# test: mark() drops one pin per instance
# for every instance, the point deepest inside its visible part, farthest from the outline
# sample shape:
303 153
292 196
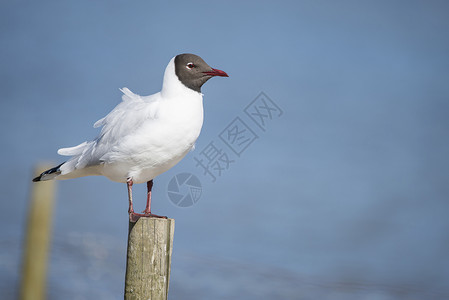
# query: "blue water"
342 196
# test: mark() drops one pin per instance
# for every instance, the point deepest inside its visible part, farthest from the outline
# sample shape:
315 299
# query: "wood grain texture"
150 242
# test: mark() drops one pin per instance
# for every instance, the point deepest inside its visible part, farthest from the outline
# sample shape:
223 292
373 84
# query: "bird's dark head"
193 71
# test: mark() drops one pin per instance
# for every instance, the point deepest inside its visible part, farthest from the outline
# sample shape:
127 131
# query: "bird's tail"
49 174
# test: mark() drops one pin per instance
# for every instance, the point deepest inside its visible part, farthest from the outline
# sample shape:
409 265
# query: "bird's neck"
172 86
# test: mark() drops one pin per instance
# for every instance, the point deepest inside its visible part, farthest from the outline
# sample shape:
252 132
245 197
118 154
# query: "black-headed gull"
144 136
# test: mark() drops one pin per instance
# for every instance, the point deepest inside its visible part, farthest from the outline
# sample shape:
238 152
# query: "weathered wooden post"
37 240
150 243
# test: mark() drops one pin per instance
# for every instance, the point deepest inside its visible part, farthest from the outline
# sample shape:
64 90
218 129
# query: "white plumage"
141 137
144 136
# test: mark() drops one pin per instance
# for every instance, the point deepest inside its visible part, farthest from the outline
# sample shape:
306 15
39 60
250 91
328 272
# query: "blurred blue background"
345 196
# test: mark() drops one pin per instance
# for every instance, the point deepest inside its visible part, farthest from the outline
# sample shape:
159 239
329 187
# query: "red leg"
129 183
133 217
148 207
147 211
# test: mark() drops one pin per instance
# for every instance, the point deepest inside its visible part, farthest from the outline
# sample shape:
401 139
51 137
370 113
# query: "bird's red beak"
216 72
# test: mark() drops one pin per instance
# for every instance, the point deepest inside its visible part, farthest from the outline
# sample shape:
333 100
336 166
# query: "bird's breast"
158 144
170 136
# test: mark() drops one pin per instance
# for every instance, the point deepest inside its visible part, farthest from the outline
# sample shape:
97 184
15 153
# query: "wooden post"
37 240
150 243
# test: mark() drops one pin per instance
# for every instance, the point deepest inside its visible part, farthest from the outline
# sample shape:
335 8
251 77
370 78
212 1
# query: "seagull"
144 136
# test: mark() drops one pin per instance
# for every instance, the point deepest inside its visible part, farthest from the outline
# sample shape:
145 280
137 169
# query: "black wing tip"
50 171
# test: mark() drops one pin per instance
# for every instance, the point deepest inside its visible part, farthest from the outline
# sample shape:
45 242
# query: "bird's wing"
124 119
127 116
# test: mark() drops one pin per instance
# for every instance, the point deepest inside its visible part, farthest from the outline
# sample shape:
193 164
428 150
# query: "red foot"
133 217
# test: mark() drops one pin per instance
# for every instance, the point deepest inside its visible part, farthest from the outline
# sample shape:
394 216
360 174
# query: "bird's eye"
190 66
